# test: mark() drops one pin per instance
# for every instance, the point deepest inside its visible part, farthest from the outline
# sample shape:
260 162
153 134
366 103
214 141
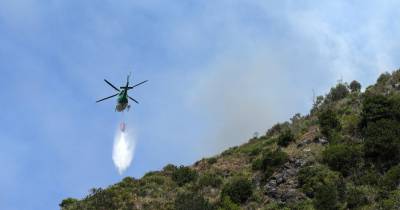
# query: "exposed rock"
282 186
323 141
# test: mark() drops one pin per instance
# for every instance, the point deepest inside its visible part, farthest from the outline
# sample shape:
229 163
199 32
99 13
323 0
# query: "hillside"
344 154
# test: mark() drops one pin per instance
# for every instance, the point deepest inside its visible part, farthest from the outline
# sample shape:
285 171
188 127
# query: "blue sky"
218 71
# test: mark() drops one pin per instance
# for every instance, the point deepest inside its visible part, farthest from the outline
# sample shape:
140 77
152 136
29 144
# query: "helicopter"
123 97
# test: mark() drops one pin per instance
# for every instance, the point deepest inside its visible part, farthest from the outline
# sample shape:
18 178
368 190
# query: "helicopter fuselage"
122 101
122 95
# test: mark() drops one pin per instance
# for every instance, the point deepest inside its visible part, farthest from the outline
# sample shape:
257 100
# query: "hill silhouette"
344 154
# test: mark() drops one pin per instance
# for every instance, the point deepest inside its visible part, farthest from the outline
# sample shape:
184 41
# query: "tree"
285 138
67 202
270 161
338 92
239 189
326 186
391 180
329 122
382 142
343 158
183 175
192 201
355 86
376 107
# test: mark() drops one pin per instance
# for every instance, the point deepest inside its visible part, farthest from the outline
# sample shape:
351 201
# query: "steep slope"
345 154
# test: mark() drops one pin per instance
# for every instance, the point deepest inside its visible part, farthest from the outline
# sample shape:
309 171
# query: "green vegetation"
210 179
270 161
285 138
355 86
183 175
343 158
239 189
193 201
338 92
391 180
326 186
227 204
290 167
328 122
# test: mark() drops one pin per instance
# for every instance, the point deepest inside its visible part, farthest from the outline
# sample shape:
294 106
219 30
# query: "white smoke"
123 151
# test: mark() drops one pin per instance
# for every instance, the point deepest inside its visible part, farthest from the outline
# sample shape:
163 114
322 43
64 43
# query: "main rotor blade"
134 85
106 98
109 83
139 83
133 100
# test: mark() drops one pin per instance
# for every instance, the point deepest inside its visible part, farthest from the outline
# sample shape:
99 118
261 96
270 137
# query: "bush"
392 202
192 201
239 190
68 202
285 138
357 196
269 161
355 86
170 168
382 142
391 180
329 122
343 158
350 124
277 128
210 179
326 186
383 78
326 198
306 204
227 204
183 175
368 176
338 92
376 107
211 160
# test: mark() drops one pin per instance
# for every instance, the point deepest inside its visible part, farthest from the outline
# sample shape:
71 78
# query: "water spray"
124 148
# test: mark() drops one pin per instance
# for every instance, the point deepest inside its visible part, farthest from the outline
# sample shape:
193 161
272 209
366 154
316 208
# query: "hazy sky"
218 71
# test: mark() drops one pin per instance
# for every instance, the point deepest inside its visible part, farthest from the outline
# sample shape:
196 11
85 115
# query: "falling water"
123 151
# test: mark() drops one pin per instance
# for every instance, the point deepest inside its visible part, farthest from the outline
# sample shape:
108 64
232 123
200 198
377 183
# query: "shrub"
326 197
169 168
183 175
227 204
328 122
277 128
368 176
392 202
350 124
357 196
355 86
338 92
239 189
270 161
192 201
343 158
391 180
383 78
326 186
376 107
382 142
68 202
306 204
211 160
210 179
285 138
